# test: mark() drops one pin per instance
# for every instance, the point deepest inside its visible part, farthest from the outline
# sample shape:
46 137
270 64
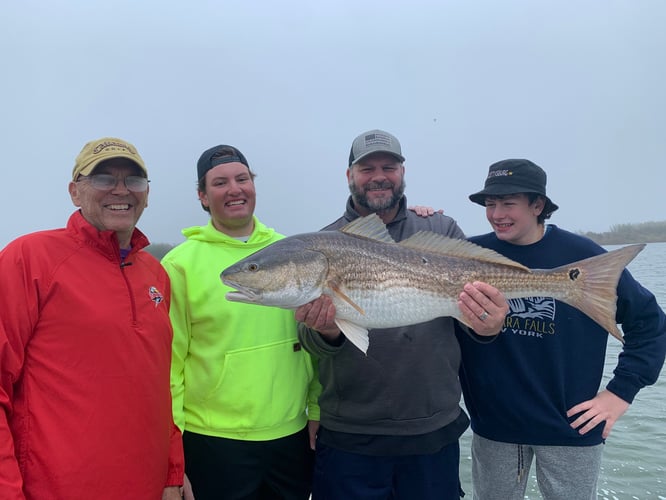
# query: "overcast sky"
577 86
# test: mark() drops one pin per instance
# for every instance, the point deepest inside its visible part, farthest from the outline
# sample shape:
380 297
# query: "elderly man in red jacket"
85 346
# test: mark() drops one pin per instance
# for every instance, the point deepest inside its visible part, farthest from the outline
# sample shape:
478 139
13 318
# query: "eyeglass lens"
106 182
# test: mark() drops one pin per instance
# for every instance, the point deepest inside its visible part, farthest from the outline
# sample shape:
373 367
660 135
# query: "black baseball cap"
218 155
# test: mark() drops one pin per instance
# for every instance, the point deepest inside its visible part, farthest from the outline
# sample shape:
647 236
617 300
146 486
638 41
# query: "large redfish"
375 282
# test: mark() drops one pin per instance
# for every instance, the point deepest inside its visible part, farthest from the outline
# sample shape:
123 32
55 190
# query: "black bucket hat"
514 176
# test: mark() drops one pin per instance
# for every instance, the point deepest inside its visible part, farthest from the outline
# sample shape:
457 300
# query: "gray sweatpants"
500 470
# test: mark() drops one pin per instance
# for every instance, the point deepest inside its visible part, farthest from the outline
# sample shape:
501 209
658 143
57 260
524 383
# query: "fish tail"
597 278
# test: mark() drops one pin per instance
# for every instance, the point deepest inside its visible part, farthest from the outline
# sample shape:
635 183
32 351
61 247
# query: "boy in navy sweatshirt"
533 391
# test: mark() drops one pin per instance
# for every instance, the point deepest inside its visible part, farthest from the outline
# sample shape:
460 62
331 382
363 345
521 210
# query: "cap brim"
550 207
88 169
495 190
365 155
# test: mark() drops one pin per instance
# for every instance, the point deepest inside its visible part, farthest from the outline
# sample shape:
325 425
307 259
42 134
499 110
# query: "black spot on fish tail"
574 274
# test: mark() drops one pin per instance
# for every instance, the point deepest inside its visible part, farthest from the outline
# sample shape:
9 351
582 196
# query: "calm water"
634 460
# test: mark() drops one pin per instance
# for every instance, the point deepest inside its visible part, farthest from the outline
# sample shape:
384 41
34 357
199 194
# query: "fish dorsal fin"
356 334
436 243
370 226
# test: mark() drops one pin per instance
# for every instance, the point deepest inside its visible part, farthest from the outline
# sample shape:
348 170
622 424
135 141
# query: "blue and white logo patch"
531 317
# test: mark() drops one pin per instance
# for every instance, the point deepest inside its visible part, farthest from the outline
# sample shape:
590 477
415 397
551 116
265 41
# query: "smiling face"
230 196
376 183
514 218
117 209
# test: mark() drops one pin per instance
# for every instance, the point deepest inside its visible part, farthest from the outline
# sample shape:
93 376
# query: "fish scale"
430 288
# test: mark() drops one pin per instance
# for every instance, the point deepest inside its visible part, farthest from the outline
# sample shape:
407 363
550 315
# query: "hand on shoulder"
424 211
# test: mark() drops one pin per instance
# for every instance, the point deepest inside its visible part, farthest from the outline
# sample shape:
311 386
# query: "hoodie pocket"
261 387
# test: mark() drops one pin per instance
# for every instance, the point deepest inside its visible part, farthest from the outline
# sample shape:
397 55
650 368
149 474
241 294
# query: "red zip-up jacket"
85 349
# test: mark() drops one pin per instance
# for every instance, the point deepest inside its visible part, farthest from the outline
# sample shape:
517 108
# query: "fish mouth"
242 295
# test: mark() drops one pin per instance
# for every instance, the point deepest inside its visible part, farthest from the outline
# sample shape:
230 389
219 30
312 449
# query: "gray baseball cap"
374 141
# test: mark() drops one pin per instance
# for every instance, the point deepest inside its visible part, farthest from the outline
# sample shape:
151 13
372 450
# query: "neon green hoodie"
238 370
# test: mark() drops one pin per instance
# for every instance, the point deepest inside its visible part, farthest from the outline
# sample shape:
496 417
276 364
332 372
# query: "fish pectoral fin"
356 334
338 291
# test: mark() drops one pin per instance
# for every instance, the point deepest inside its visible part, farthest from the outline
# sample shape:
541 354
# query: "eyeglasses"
106 182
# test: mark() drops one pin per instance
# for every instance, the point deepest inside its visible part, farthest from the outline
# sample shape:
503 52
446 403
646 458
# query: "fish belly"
394 308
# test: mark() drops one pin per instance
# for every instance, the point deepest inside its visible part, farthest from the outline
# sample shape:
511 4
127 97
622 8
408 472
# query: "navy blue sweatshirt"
549 356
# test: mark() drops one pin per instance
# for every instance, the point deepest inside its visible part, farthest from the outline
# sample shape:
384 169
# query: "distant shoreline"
621 234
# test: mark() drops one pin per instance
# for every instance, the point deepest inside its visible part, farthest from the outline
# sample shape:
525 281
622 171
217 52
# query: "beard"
359 195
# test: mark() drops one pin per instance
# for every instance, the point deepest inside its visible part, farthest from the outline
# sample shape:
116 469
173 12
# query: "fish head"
285 274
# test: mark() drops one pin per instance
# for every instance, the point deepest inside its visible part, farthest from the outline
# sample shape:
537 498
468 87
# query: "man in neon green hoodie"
243 388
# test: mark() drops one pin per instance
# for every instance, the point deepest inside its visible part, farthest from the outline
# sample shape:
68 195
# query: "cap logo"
112 144
500 173
372 139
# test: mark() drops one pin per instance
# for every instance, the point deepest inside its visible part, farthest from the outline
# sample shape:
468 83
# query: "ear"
203 198
348 174
74 193
538 206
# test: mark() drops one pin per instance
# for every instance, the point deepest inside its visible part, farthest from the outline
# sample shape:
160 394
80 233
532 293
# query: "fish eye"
252 267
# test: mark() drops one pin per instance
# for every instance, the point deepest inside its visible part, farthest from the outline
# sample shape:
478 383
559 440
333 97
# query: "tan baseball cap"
106 148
